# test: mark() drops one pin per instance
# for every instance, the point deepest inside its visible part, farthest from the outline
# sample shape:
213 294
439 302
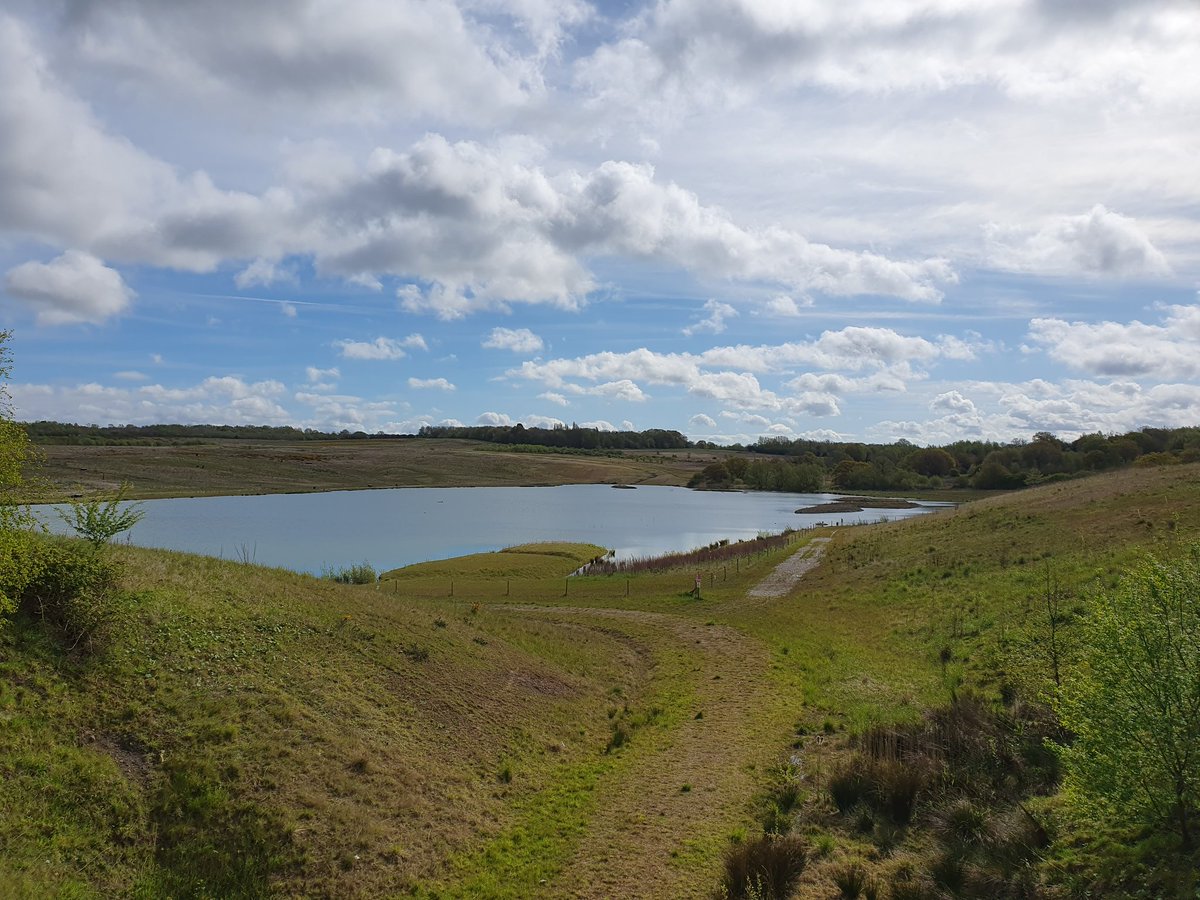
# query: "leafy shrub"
65 585
766 867
98 522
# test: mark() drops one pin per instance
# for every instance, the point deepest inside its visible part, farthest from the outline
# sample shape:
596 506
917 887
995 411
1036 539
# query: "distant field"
245 467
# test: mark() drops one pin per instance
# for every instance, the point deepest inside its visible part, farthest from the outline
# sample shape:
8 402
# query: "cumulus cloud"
315 375
518 340
555 398
538 421
736 50
784 306
952 401
1133 350
730 375
74 287
599 425
700 420
324 58
380 348
263 272
1099 242
481 227
494 418
439 384
714 322
218 400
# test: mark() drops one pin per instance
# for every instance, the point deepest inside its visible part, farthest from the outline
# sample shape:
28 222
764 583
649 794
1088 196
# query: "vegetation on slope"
250 467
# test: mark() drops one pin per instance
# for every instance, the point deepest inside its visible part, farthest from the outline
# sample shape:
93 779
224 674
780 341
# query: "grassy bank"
488 727
214 468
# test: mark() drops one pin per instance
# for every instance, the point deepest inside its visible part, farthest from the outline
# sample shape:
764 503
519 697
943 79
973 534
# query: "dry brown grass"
247 467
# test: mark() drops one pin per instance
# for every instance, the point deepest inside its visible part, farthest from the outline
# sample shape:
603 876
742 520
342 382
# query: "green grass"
253 730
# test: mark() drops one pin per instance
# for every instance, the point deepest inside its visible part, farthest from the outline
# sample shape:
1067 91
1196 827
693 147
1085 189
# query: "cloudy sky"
864 219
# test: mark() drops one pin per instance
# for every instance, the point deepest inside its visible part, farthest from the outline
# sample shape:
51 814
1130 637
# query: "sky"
855 220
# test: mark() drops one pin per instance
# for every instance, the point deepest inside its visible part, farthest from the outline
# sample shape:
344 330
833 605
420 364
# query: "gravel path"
791 570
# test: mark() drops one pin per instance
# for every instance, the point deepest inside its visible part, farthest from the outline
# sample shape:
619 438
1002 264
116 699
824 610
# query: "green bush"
62 583
99 521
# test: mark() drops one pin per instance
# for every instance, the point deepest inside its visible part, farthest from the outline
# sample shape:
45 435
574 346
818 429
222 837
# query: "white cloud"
785 307
714 322
380 348
555 398
289 310
745 418
314 375
537 421
218 400
1169 351
131 375
494 418
316 58
263 272
700 420
74 287
1099 242
440 384
599 425
518 340
954 402
730 52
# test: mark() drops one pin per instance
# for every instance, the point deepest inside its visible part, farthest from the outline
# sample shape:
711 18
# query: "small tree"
15 519
99 521
1134 703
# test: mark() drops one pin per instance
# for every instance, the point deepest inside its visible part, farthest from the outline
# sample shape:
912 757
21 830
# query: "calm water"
399 526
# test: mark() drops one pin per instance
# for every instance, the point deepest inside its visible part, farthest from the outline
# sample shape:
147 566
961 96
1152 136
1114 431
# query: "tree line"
806 465
571 437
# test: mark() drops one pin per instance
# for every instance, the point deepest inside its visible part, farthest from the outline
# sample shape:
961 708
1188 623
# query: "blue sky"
865 220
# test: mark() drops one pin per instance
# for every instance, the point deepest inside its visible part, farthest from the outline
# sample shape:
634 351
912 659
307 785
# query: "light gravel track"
791 570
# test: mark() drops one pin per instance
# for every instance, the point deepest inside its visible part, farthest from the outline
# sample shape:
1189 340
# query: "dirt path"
791 570
648 830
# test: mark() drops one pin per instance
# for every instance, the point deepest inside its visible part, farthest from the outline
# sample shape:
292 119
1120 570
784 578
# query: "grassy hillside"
274 467
487 727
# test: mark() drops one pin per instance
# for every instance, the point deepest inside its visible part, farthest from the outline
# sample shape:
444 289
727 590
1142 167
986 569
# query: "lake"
398 526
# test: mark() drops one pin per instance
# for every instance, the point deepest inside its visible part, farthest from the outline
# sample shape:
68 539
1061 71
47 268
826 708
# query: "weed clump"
767 867
851 880
359 573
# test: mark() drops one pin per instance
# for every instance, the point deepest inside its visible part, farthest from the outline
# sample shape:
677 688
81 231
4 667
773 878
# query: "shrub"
98 522
71 589
766 867
1135 703
360 573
